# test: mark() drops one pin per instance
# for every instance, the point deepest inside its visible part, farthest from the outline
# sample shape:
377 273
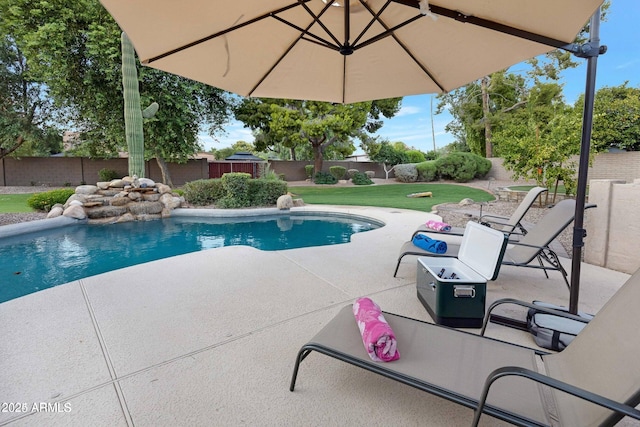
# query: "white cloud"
235 131
628 64
407 110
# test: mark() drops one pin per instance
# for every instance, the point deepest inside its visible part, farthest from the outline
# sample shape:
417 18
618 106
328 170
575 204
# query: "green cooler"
453 290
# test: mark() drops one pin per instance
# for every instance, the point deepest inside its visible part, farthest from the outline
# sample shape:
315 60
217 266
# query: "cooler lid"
482 249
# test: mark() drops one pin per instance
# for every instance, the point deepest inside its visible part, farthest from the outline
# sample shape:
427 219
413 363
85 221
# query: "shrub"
360 178
338 171
483 166
236 187
44 201
324 178
308 169
106 175
460 167
263 192
351 172
203 191
426 170
370 174
415 156
431 155
406 172
267 173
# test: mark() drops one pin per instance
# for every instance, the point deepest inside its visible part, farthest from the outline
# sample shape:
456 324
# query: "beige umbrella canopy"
344 51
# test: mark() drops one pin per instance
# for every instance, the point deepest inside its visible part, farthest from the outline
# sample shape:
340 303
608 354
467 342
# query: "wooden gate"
217 169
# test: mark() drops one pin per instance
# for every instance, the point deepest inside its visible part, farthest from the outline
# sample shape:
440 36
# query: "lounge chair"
509 225
534 245
520 385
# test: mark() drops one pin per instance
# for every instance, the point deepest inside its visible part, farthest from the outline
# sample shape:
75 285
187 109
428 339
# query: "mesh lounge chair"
509 225
513 383
534 245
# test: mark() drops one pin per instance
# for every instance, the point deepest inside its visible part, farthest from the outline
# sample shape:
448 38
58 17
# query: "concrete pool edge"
328 210
12 230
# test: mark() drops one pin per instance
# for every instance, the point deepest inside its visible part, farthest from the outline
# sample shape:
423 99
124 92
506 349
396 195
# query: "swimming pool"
36 261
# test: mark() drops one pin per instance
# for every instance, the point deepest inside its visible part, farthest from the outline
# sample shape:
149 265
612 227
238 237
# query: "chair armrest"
502 301
619 408
503 218
528 245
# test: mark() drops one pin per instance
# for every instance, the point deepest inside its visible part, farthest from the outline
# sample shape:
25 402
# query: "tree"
385 153
322 126
616 118
479 108
74 49
223 153
25 112
537 141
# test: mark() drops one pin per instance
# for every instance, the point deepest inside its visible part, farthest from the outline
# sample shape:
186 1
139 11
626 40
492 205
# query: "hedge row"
459 166
234 190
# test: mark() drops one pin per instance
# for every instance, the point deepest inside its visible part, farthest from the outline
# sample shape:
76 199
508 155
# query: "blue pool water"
36 261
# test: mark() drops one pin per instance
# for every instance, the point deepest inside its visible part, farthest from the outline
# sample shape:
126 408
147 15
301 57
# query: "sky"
413 123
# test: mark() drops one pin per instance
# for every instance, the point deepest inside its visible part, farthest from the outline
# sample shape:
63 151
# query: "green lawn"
392 196
14 203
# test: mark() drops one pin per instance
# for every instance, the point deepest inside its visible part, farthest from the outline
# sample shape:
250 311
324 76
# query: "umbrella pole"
587 120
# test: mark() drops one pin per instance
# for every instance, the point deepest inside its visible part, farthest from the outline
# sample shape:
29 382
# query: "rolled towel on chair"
438 226
429 244
377 336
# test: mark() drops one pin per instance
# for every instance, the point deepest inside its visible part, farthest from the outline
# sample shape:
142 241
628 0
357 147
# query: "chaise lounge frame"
611 380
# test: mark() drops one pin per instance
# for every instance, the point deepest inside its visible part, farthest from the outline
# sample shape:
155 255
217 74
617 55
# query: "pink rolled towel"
438 226
377 336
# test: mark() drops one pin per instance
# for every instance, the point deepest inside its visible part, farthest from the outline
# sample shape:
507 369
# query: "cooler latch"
464 291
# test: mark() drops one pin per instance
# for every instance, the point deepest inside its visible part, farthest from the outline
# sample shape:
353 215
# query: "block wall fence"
72 171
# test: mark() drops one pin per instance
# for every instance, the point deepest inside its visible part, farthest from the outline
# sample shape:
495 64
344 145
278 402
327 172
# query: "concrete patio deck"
210 338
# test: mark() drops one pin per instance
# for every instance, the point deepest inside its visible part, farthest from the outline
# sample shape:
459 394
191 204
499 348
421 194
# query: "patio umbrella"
347 51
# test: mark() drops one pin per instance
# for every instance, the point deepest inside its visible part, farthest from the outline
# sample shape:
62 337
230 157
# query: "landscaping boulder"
75 212
284 202
146 183
87 189
134 195
55 211
125 218
119 200
106 211
170 201
145 208
162 188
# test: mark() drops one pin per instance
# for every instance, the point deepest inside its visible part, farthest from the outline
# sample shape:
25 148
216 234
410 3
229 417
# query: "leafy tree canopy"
73 50
26 117
616 118
319 127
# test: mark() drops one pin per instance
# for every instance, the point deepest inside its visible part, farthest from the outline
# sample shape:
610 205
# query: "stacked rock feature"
120 200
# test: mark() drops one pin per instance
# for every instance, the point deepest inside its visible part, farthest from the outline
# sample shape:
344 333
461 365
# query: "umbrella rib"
491 25
389 32
319 40
303 32
316 20
223 32
374 19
